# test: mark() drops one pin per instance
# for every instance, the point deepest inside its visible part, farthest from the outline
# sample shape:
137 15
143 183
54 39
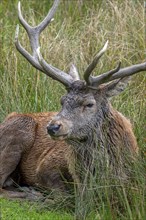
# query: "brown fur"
37 160
25 145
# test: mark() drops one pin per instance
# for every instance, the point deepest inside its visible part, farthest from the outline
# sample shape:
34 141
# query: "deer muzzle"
53 129
59 128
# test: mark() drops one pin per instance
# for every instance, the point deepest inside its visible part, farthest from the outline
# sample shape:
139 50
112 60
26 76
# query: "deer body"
86 130
24 144
41 161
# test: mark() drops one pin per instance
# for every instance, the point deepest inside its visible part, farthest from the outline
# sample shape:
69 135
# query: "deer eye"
89 105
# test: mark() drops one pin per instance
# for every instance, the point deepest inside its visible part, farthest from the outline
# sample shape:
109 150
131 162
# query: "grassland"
79 30
17 211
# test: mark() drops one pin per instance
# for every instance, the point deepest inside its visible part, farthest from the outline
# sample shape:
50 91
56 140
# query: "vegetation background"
80 29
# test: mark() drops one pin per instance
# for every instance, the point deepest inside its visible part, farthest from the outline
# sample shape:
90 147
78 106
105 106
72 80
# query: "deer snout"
59 127
52 129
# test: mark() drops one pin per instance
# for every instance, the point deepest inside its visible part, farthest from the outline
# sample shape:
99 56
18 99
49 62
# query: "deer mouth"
59 137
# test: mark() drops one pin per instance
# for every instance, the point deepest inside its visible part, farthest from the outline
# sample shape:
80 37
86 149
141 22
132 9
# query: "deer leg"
50 173
27 193
10 157
50 178
11 194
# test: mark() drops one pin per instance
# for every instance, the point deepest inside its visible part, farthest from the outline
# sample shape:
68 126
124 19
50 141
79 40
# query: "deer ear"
116 87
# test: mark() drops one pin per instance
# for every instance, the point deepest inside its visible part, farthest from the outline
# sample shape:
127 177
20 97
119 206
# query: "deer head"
86 104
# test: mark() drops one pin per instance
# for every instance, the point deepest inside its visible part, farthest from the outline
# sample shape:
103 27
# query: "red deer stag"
86 127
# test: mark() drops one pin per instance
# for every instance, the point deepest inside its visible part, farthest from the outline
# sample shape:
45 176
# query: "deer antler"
36 59
116 73
119 74
93 64
38 62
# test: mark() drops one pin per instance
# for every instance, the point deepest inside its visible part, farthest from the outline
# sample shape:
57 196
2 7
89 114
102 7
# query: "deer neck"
100 145
88 149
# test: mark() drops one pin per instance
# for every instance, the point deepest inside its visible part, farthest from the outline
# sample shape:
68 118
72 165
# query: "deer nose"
52 129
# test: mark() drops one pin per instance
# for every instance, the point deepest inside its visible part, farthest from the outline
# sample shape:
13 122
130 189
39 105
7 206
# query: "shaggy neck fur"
107 146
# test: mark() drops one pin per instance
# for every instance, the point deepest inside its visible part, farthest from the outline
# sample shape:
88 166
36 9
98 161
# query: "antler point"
106 45
19 4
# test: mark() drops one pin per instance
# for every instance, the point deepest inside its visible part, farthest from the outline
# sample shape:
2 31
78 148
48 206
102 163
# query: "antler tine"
49 16
73 72
53 72
31 59
33 34
121 73
93 64
103 78
22 20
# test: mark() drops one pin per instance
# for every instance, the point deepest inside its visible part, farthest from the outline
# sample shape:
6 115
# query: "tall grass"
79 30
